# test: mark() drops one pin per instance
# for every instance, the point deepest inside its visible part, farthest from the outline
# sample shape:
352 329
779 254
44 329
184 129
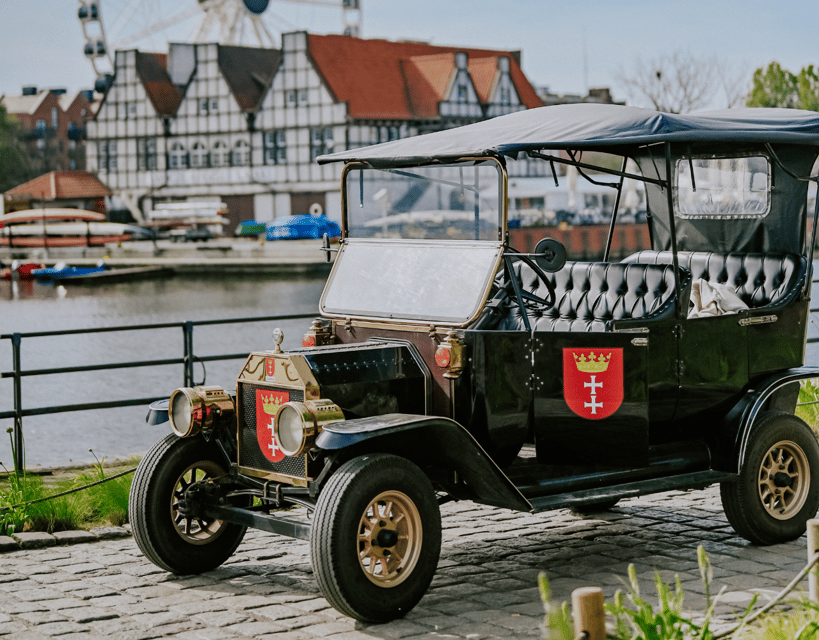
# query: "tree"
16 165
777 87
676 83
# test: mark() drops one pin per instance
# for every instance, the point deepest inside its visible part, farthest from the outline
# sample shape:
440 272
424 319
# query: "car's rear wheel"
169 537
777 491
376 537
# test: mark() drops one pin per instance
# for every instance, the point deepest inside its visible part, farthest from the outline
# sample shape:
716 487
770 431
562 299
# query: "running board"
696 480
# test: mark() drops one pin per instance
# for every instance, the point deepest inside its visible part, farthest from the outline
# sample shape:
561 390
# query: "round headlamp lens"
289 429
181 413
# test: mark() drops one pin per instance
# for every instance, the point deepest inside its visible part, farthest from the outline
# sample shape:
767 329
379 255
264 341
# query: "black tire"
166 537
594 507
777 491
376 582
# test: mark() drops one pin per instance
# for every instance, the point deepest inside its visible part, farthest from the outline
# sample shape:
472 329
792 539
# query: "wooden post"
813 549
587 609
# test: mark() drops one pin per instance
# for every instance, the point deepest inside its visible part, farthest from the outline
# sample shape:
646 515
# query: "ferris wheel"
109 25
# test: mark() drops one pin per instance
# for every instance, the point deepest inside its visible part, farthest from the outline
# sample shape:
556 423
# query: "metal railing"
187 360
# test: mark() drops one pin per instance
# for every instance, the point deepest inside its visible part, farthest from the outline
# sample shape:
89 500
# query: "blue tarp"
303 226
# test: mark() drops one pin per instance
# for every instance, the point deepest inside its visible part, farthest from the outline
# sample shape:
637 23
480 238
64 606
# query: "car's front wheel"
170 536
777 491
376 537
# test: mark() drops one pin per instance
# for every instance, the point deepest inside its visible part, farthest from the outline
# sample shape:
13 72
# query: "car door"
591 398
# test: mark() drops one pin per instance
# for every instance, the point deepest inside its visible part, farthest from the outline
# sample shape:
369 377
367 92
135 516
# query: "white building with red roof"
245 125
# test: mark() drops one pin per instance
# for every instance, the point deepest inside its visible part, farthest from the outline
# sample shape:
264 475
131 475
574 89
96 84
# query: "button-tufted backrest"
760 279
588 295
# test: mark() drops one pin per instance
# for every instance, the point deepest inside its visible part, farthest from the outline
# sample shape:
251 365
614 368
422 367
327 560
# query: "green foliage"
12 517
16 164
800 624
635 617
807 406
558 620
777 87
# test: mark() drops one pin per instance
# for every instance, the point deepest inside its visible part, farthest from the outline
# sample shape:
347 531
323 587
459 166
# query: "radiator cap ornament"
278 336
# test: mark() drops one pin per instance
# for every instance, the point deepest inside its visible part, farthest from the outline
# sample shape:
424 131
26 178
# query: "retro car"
446 365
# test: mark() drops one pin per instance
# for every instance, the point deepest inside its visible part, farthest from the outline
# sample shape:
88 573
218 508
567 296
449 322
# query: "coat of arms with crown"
593 381
268 402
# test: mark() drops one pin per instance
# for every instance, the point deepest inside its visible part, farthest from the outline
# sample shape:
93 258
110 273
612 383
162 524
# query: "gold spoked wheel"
784 480
195 530
389 539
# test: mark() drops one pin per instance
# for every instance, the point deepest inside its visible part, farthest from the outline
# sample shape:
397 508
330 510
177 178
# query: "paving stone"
221 618
107 533
73 537
8 543
89 614
34 540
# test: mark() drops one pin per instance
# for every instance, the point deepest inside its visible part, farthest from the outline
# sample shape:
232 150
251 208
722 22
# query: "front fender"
732 442
428 440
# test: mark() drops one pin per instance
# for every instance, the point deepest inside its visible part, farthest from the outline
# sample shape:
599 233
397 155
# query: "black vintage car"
446 365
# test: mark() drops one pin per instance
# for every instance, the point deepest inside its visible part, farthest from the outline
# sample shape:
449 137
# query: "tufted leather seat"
589 295
760 279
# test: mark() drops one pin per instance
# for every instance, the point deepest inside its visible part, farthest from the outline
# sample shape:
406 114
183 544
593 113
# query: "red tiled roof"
384 79
62 185
249 73
427 79
152 71
483 72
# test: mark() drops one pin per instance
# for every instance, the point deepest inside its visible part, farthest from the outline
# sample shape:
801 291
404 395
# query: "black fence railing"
187 359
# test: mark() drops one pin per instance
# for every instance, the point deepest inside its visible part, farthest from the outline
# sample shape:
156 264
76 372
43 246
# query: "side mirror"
550 255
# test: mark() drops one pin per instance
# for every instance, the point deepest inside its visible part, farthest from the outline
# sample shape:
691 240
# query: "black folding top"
591 126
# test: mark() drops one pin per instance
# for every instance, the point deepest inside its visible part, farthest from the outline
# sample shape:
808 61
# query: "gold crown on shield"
592 363
270 404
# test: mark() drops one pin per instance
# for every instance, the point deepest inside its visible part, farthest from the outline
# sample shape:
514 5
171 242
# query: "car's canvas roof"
592 126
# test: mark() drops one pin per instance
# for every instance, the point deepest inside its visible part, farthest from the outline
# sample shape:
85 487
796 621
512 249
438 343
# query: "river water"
67 437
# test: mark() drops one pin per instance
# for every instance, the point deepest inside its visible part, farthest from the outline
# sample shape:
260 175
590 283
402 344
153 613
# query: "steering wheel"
528 299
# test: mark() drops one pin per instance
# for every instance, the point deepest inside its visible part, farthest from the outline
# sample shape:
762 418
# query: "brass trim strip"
276 477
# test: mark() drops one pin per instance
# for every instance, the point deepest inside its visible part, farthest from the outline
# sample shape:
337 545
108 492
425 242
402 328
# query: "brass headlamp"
195 409
298 424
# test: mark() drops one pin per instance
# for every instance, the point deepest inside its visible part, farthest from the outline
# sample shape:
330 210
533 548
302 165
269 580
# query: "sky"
567 45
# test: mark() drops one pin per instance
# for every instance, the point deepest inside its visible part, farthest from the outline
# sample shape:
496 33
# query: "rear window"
723 187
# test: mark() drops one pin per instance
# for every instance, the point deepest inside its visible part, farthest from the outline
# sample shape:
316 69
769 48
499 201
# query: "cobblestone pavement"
485 586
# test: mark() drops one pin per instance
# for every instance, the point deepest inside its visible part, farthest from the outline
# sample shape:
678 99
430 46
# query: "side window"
723 187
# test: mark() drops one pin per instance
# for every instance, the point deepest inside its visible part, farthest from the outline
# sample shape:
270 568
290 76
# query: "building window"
321 142
241 154
146 154
214 105
41 125
220 157
302 93
275 147
178 157
107 155
199 156
463 93
54 117
290 97
204 106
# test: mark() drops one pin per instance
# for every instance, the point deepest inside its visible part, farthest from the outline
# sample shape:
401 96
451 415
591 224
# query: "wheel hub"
389 538
784 480
187 501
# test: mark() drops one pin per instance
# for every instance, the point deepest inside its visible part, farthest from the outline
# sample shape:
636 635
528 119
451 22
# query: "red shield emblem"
267 404
593 381
270 369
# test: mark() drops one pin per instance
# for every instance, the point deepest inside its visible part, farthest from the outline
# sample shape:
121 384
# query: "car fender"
428 440
732 442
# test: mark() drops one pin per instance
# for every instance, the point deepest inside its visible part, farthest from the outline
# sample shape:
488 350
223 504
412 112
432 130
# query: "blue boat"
61 271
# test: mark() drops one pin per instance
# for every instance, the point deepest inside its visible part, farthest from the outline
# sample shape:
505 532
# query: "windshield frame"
503 194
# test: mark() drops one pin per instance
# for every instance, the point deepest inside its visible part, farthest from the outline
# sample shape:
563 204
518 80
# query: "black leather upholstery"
589 295
760 279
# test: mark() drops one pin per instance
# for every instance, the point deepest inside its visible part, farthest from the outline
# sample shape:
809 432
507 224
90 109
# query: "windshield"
444 202
411 280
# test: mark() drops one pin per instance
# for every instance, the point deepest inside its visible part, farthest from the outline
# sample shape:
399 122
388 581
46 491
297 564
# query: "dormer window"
503 64
460 60
463 93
